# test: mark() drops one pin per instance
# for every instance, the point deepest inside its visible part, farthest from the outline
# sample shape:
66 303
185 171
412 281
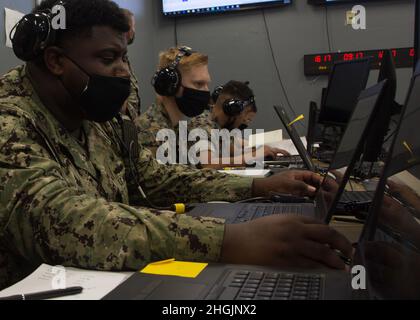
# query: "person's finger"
300 188
281 151
322 254
327 235
309 177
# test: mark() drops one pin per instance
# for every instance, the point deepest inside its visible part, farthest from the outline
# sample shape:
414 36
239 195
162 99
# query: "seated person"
234 107
178 100
132 106
66 188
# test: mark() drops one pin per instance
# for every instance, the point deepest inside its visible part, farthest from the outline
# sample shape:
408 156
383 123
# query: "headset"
232 107
168 80
33 33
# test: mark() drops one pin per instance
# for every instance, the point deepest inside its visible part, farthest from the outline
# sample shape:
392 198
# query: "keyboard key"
247 295
300 293
264 294
266 289
273 276
262 298
236 285
251 285
240 281
256 275
282 294
254 281
249 290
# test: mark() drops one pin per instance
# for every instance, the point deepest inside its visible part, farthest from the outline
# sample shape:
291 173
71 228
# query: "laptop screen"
348 152
295 137
390 242
347 81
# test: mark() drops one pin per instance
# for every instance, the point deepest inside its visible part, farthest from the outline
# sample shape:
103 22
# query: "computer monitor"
347 80
380 126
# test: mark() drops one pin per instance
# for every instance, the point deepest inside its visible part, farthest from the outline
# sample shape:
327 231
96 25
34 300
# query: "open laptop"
333 184
391 230
241 282
349 197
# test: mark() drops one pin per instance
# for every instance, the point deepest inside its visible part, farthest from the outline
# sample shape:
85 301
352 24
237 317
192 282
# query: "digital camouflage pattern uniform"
156 118
134 101
64 202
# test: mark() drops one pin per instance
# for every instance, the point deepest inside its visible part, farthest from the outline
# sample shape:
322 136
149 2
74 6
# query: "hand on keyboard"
284 241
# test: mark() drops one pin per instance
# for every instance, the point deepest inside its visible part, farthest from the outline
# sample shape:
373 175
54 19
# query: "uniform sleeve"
168 184
44 217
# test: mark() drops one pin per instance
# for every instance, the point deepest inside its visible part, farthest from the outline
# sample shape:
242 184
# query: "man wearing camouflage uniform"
188 105
66 191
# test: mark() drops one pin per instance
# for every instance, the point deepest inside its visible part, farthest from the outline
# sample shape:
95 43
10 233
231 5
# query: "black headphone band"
183 52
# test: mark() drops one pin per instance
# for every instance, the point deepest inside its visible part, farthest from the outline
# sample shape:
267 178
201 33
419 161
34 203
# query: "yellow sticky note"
175 268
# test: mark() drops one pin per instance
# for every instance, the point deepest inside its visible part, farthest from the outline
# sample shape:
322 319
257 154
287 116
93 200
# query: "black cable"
136 175
176 32
134 172
327 27
278 70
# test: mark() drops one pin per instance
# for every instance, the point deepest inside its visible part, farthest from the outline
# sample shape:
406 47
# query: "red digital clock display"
319 64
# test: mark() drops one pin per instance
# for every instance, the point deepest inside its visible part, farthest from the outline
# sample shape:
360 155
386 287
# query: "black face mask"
131 41
193 102
103 97
243 127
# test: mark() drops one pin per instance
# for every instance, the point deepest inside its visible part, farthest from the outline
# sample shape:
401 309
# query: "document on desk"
268 138
289 146
255 173
95 284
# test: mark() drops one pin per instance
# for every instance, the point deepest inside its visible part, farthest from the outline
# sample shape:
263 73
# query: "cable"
134 171
176 32
278 70
327 25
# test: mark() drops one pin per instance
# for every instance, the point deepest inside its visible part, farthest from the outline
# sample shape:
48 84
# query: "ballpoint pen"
45 294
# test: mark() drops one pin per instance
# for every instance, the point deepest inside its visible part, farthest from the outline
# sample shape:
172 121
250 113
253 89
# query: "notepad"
175 268
96 284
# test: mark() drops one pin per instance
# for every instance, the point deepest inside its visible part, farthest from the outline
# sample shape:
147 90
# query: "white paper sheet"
267 138
289 146
96 284
11 17
256 173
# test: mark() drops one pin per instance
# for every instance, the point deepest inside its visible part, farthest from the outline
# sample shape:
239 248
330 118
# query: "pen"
345 259
46 294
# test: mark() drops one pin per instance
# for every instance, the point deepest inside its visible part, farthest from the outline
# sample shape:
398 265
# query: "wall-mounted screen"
340 1
197 7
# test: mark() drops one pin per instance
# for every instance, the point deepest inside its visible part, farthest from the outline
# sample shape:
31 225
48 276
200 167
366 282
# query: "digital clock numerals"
319 64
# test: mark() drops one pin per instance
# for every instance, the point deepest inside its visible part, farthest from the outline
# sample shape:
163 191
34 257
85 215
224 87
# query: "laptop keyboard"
248 285
253 211
357 196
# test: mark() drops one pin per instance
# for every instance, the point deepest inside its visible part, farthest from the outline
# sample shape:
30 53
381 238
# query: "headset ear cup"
31 36
167 81
233 107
